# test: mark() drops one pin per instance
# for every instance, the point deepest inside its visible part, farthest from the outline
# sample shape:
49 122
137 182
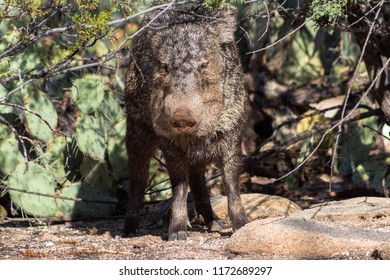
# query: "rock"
373 212
299 238
257 206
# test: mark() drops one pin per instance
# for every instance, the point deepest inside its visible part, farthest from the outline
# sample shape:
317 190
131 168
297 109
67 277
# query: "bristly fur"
186 61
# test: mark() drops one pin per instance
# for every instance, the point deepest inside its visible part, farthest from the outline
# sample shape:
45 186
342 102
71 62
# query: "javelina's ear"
227 24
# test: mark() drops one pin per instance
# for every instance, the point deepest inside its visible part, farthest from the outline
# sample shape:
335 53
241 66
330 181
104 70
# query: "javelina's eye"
204 65
164 68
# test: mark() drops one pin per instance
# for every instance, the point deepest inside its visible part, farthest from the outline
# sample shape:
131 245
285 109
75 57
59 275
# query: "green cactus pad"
3 212
55 156
73 159
117 151
70 209
3 91
90 136
109 111
13 99
97 174
10 156
36 179
40 104
88 93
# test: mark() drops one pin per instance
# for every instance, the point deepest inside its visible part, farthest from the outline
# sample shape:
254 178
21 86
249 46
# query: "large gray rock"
258 206
299 238
373 212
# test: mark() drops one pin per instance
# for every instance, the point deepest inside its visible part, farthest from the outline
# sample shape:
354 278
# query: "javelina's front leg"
140 144
201 194
230 168
179 214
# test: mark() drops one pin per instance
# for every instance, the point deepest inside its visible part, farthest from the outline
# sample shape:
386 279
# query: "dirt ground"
101 240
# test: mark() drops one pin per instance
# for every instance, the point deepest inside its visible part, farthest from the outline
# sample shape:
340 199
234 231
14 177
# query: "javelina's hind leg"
197 182
140 144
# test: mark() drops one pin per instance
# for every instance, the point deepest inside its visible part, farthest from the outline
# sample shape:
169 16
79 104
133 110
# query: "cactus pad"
36 179
97 174
90 136
109 111
10 155
55 156
88 93
117 151
40 104
78 209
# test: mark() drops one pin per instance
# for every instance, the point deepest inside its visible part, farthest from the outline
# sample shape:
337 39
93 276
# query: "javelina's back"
185 95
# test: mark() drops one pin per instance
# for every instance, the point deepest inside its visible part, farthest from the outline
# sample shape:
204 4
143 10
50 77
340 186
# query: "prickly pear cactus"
90 136
62 169
88 93
109 111
54 157
69 209
40 104
117 151
97 174
10 155
36 179
13 99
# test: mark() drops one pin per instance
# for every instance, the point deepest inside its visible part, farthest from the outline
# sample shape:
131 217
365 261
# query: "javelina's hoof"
130 226
216 225
239 221
128 235
180 235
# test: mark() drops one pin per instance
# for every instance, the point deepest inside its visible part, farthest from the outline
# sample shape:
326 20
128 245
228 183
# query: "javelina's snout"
183 120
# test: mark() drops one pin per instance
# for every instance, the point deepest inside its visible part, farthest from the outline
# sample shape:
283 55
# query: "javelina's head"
188 65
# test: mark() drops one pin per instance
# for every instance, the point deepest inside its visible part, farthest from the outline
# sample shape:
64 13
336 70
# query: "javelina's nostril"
183 120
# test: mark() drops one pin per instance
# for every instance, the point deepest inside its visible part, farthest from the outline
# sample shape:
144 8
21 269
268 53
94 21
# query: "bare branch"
60 196
343 120
284 37
34 113
340 128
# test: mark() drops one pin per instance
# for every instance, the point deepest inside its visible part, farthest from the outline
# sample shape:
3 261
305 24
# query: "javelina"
185 95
